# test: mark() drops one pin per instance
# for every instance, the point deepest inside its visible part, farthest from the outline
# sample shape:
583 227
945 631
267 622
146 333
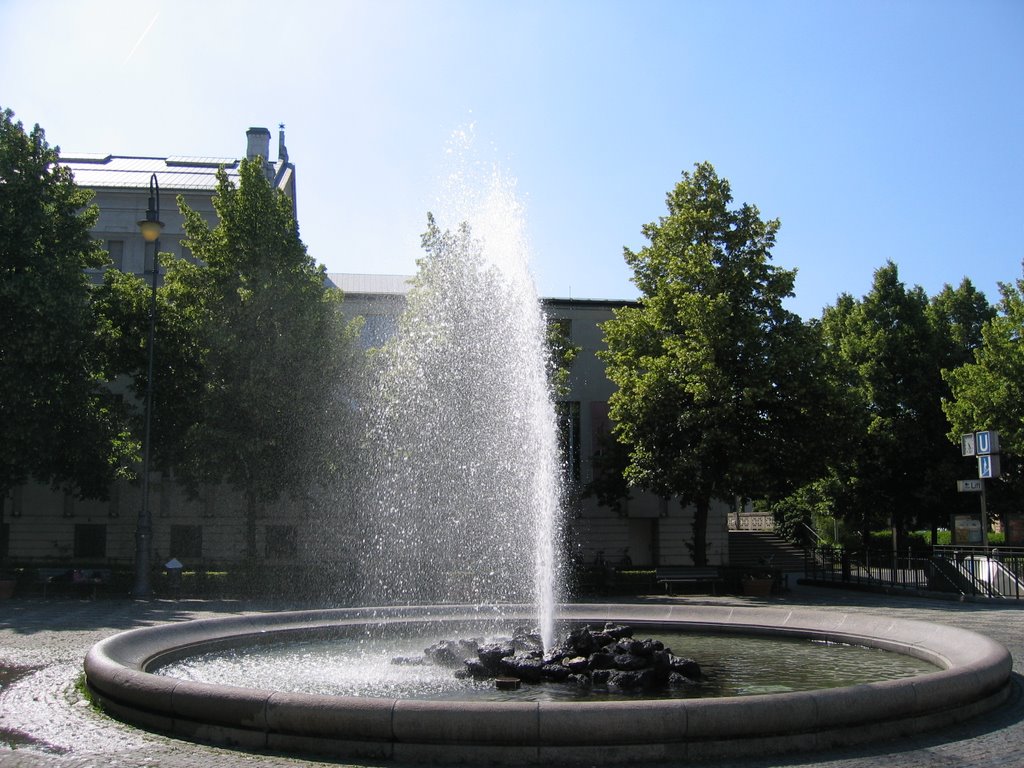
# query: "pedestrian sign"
988 466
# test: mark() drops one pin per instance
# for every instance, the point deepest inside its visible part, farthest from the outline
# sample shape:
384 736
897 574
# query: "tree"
561 354
262 349
988 393
719 392
58 421
887 350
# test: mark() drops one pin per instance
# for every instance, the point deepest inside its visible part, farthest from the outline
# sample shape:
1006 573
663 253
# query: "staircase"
764 547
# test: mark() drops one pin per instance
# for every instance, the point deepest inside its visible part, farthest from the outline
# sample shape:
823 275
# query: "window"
115 250
377 330
281 541
90 541
568 414
186 541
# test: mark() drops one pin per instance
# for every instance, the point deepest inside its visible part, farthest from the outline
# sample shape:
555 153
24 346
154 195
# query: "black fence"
974 571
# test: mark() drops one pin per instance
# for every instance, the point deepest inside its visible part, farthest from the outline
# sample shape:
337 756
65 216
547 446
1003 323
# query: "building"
646 530
48 528
121 187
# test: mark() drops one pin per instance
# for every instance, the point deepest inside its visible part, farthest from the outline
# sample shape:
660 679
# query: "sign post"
983 444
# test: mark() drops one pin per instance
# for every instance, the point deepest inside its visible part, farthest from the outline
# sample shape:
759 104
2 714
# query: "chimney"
282 150
259 144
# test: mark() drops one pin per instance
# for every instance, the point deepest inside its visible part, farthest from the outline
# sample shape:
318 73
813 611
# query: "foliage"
608 482
894 465
254 348
561 354
988 393
58 422
717 382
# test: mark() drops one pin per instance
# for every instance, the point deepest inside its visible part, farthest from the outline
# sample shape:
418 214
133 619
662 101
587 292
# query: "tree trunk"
700 530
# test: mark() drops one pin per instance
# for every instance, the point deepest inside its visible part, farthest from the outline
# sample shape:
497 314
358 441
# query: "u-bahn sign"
970 486
981 443
985 445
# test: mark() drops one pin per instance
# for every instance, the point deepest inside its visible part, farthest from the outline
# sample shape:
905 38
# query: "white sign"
970 486
967 444
988 466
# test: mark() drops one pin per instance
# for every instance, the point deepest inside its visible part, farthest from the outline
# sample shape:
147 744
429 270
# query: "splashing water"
462 498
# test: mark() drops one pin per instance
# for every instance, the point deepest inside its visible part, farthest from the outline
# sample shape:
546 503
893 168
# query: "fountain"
462 504
461 495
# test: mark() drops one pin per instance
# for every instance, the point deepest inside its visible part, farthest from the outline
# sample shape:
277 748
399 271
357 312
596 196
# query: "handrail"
814 533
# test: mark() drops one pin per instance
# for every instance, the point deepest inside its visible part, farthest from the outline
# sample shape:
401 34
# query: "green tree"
887 350
988 393
561 354
719 392
123 303
262 349
58 421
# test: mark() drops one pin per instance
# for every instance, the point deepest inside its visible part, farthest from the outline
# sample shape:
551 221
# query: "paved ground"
45 722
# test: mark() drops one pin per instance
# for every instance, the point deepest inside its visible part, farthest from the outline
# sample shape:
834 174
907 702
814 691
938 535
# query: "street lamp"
150 228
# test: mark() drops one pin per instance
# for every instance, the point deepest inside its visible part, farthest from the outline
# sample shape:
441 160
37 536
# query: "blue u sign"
986 442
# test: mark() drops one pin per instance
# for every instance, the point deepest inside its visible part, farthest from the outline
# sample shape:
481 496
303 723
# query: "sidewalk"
44 720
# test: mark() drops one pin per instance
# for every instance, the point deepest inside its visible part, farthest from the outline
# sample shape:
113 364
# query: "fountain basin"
974 676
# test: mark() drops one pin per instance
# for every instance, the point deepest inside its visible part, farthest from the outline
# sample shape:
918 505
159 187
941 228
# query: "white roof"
115 171
387 285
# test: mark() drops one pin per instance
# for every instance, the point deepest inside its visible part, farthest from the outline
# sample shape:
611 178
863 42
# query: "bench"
84 582
688 574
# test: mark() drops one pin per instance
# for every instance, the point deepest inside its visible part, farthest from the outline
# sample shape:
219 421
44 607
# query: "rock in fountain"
604 659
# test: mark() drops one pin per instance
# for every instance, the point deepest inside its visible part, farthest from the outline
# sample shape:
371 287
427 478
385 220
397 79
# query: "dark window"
569 433
90 541
115 250
281 541
186 541
5 539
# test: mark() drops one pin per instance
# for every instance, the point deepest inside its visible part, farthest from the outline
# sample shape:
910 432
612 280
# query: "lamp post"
150 228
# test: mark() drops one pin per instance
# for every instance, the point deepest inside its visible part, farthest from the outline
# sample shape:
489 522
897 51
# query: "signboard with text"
966 530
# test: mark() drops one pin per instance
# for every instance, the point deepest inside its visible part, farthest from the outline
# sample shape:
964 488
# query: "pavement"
45 721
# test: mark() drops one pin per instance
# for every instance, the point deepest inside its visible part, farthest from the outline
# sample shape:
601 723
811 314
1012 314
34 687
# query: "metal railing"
985 571
870 568
977 571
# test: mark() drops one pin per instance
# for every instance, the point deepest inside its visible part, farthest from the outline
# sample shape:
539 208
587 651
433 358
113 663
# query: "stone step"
762 547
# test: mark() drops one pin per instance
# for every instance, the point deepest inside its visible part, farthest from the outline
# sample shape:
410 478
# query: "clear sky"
872 130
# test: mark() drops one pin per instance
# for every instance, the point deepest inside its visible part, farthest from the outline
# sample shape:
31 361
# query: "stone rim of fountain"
975 676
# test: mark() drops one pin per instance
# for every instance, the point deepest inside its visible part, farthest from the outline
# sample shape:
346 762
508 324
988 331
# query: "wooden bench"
688 574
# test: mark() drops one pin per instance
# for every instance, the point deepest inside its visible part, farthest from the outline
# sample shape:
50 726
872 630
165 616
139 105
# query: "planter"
758 587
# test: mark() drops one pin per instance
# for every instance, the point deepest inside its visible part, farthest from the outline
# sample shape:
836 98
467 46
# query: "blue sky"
872 130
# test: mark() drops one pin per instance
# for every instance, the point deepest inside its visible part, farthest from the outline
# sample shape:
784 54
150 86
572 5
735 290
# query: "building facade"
42 526
46 527
644 530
